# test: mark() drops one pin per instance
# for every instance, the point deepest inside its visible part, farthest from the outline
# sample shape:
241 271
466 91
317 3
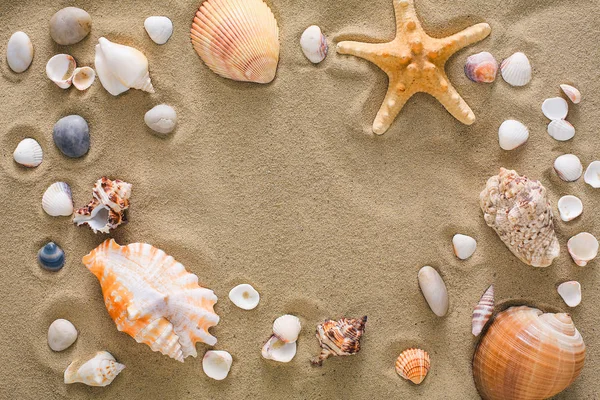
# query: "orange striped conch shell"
413 365
526 354
152 298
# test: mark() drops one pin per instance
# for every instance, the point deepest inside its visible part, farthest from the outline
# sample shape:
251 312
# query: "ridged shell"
568 167
314 44
561 130
413 365
287 328
516 70
481 67
51 257
483 311
434 290
526 354
583 248
152 298
237 39
98 371
339 338
58 200
60 69
83 78
592 174
518 209
572 93
555 108
29 153
512 134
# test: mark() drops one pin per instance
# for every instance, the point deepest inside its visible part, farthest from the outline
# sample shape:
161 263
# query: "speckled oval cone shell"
527 355
237 39
152 297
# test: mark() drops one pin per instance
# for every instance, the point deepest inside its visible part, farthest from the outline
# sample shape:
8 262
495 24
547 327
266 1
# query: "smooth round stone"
61 335
19 52
51 257
72 136
161 119
70 25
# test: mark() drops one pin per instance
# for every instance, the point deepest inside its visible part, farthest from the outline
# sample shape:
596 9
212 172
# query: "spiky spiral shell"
413 365
339 338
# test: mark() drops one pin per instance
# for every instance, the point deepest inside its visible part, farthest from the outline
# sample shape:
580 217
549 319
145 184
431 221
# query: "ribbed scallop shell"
152 297
237 39
29 153
339 338
57 200
516 70
483 311
527 355
413 365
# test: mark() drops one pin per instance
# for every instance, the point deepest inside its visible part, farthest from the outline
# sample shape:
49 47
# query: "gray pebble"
72 136
70 25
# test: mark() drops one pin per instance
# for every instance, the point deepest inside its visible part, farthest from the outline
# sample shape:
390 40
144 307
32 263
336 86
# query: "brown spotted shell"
339 338
413 365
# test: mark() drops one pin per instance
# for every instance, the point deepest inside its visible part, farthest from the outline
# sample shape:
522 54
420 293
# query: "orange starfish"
414 62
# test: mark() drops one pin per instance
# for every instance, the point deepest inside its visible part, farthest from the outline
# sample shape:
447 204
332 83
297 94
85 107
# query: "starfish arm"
460 40
455 105
392 104
404 10
369 51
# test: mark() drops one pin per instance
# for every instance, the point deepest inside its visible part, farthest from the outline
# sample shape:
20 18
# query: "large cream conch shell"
152 297
526 354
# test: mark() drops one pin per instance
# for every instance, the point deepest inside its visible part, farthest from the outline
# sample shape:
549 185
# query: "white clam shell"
98 371
60 69
278 350
244 296
19 52
555 108
120 68
568 167
216 364
569 208
570 293
287 328
61 335
83 77
57 200
434 290
464 246
314 44
561 130
583 248
29 153
572 93
516 70
159 29
512 134
592 175
161 118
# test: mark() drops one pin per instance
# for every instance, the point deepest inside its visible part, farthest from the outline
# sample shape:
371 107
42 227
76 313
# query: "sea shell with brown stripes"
483 311
339 338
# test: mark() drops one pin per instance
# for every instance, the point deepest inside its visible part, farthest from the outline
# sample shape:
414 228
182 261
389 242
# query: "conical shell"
481 67
568 167
483 311
29 153
287 328
237 39
434 290
512 134
569 208
592 175
570 293
555 108
413 365
278 350
583 248
464 246
516 70
572 93
526 354
561 130
216 364
99 371
244 296
152 298
83 78
339 338
60 70
57 200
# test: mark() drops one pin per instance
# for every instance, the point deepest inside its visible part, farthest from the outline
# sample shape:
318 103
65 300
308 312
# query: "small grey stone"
72 136
70 25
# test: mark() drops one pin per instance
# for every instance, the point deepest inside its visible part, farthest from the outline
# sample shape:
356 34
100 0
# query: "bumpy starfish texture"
414 62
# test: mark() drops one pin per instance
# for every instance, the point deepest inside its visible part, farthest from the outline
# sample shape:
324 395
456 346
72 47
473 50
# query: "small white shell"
19 52
512 134
516 70
464 246
287 328
60 69
569 208
570 293
83 77
583 248
555 108
161 118
216 364
568 167
98 371
159 29
244 296
278 350
572 93
57 200
561 130
28 153
592 175
314 44
434 290
61 335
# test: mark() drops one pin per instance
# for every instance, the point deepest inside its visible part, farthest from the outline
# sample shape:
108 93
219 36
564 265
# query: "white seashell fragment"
28 153
60 69
314 44
583 248
572 93
278 350
516 70
244 296
512 134
464 246
434 290
592 175
561 130
57 200
569 208
570 293
19 52
287 328
61 335
159 29
99 371
568 167
161 118
83 77
555 108
216 364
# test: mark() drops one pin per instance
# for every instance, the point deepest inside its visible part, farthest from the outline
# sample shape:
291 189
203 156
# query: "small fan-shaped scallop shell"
29 153
516 70
98 371
413 365
568 167
481 67
561 130
57 200
483 311
512 134
287 328
237 39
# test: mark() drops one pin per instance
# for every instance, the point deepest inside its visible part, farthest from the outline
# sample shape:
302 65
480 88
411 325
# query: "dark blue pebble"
72 136
51 257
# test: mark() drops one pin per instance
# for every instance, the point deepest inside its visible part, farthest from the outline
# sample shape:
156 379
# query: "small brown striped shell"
413 365
339 338
483 311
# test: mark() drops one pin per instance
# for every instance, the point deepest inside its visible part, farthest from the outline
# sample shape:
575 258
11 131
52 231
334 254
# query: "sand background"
283 186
